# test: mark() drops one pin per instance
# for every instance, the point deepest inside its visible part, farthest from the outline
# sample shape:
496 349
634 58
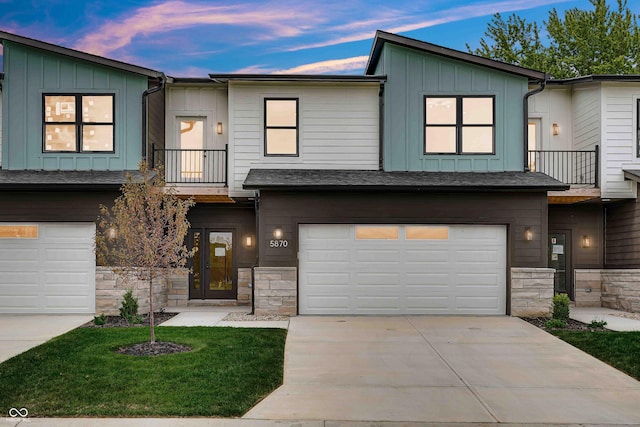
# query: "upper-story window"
78 123
281 127
459 125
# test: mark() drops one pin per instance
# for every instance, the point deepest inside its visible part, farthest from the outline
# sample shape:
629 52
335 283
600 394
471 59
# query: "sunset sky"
191 38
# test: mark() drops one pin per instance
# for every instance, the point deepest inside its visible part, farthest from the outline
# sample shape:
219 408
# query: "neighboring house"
584 131
72 125
405 190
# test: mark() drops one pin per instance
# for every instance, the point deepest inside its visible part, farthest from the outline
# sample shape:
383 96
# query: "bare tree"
143 235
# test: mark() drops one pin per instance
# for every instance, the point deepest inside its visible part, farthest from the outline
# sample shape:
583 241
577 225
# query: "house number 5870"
278 243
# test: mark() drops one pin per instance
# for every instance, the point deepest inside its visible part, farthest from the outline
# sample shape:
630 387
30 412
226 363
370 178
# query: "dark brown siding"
580 220
516 210
623 235
240 219
156 121
53 205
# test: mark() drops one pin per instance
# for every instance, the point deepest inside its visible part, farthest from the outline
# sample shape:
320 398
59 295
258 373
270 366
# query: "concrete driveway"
20 332
443 369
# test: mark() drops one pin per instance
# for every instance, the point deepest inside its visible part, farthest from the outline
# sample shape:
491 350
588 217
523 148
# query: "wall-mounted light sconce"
586 241
111 233
219 128
248 241
555 129
528 234
278 233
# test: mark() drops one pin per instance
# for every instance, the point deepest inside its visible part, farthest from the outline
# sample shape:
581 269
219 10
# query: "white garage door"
47 268
402 269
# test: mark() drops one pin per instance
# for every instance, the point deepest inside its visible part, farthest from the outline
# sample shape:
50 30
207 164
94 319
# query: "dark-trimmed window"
459 125
78 123
281 127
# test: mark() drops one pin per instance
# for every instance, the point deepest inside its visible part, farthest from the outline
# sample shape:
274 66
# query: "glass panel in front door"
558 260
220 261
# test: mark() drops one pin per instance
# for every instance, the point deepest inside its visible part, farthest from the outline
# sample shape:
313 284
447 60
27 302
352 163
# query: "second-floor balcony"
578 168
192 166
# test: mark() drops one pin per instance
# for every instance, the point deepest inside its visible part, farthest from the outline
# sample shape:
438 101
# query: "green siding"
31 72
411 75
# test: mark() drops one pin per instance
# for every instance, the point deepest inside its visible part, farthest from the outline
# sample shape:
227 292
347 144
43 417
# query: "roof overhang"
76 54
632 174
359 180
29 180
383 37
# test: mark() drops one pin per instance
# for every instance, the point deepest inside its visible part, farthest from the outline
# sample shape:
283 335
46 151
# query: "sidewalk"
212 316
613 318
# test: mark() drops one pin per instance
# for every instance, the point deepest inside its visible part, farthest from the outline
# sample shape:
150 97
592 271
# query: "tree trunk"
151 319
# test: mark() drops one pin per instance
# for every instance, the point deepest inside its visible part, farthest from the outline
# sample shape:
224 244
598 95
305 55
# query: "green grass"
79 374
619 349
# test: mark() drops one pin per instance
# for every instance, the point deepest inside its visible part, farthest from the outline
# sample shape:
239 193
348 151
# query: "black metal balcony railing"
570 167
187 166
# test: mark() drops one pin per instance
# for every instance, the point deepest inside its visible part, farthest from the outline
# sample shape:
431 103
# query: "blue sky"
191 38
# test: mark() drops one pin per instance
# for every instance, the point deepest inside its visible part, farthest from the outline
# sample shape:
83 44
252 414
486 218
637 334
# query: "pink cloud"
268 20
330 66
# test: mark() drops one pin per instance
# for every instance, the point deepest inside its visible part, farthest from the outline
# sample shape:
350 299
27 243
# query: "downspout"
525 124
256 203
145 113
381 127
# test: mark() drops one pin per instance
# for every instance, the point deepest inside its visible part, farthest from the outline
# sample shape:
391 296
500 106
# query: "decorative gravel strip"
635 316
245 317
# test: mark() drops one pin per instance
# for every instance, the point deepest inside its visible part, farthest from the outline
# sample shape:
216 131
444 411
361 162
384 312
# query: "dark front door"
212 265
560 259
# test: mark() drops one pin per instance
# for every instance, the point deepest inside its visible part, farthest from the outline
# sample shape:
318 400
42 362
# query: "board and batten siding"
553 105
1 127
619 133
197 102
31 72
411 75
338 128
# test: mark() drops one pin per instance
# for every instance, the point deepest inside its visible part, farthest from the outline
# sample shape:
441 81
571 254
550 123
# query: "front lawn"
619 349
79 374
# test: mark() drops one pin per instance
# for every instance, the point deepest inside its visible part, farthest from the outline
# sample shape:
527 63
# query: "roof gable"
383 37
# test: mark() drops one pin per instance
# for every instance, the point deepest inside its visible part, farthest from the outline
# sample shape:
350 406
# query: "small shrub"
598 324
555 324
561 307
99 320
129 307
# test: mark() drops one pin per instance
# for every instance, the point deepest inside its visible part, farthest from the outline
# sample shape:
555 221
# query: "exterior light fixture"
278 233
111 233
248 241
586 241
528 234
555 129
219 128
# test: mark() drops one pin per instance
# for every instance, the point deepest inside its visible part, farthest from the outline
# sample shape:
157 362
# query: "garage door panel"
53 273
462 271
328 279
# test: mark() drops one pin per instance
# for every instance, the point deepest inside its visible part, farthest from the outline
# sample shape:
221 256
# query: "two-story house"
72 126
405 190
584 132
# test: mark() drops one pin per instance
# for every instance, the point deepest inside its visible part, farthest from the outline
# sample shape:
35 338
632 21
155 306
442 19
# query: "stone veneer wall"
531 291
110 288
244 286
588 288
621 289
275 290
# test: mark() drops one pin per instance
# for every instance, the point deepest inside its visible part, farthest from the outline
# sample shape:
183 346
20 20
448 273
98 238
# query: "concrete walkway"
20 332
613 318
443 370
212 316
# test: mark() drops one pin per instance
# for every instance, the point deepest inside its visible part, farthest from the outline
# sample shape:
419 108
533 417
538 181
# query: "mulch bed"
120 322
153 349
572 325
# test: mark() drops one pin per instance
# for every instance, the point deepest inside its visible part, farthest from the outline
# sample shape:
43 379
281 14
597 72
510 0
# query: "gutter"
525 124
145 112
257 246
381 127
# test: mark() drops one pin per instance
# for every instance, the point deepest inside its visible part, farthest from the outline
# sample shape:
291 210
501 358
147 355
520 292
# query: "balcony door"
212 266
191 158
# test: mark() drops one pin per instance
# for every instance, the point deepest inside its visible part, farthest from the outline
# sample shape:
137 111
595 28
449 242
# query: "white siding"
338 128
194 101
553 105
618 139
586 118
